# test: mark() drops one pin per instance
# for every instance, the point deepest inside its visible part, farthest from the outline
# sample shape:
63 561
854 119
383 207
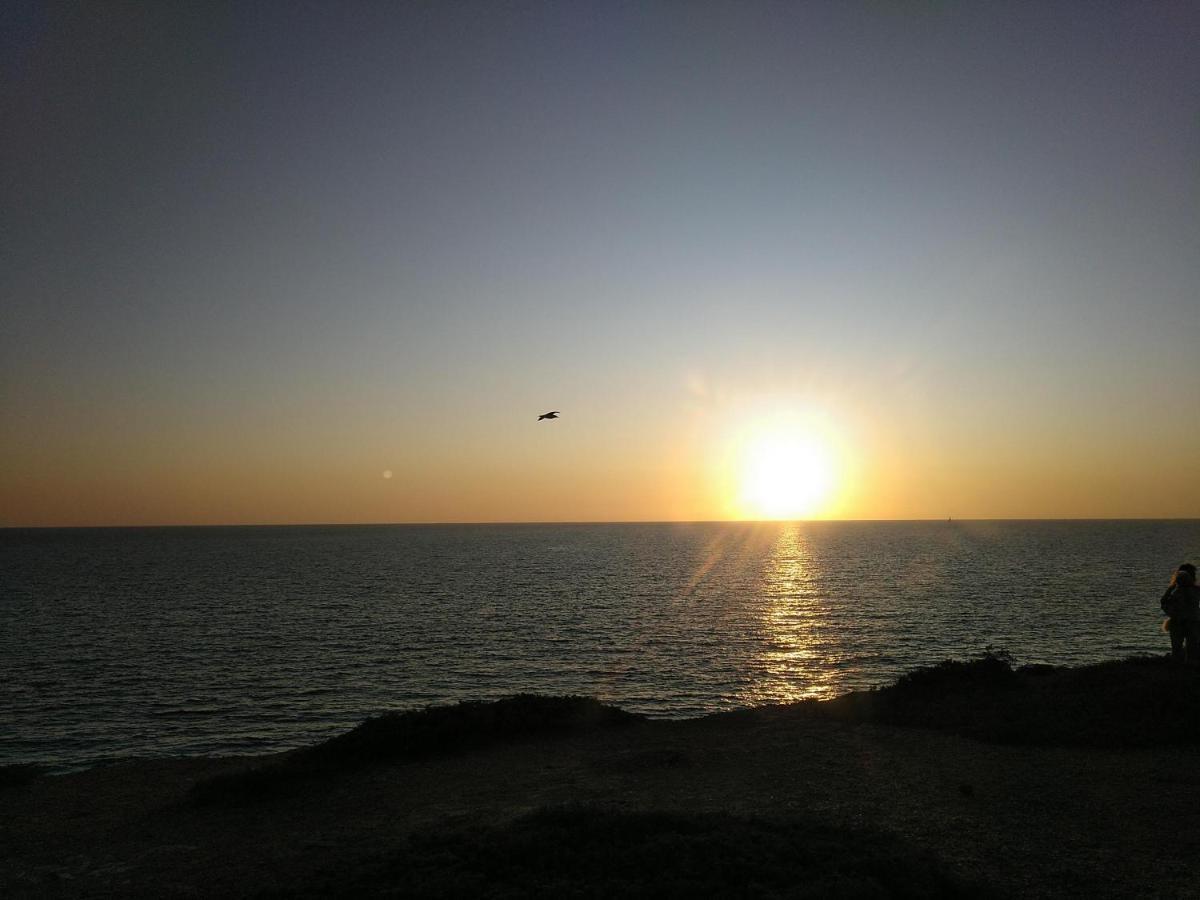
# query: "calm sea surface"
179 641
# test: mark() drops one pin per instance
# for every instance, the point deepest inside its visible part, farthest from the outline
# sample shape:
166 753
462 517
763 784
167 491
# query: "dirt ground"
1030 822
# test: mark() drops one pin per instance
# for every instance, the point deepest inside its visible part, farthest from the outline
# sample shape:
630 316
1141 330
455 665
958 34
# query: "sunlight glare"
786 473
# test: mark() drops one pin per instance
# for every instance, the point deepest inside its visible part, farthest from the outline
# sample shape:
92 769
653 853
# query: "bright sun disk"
785 475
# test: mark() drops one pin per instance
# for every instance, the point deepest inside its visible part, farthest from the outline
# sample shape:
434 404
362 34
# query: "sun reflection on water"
798 637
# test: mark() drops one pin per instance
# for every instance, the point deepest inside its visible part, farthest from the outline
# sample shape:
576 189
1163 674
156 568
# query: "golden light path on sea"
793 664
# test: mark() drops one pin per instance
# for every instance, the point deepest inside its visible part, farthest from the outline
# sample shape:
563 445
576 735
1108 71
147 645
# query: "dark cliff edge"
1135 702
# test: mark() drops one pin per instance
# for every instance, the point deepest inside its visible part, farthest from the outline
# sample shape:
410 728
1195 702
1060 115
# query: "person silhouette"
1181 603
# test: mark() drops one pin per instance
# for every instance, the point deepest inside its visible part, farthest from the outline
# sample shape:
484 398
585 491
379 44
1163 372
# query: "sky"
327 262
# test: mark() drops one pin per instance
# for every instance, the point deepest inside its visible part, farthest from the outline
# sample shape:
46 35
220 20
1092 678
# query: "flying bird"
550 415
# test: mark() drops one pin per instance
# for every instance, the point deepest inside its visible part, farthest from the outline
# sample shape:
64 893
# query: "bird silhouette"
549 415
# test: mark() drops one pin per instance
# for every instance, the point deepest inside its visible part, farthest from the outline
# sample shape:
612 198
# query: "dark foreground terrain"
964 779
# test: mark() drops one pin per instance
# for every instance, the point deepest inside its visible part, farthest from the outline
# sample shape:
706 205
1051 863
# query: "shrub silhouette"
469 725
991 670
417 734
1135 702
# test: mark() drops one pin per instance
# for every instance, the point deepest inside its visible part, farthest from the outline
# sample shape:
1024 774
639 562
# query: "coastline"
1028 782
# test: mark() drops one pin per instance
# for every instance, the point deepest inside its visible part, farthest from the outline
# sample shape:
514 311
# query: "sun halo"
785 474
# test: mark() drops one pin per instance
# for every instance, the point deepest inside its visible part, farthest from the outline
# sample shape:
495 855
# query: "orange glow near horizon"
697 449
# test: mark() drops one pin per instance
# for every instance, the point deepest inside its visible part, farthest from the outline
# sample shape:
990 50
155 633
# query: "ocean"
245 640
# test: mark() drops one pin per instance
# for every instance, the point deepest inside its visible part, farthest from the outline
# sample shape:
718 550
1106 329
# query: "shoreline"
11 772
1027 780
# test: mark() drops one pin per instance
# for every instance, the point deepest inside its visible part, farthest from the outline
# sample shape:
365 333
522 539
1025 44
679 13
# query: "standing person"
1182 603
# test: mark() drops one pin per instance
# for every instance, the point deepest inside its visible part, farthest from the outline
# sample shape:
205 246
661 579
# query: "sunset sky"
328 262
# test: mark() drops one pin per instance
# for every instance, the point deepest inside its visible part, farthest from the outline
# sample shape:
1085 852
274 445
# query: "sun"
785 473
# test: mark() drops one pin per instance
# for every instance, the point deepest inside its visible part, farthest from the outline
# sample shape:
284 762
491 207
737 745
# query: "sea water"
182 641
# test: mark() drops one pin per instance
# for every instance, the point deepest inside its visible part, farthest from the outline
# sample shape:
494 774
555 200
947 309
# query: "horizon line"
504 522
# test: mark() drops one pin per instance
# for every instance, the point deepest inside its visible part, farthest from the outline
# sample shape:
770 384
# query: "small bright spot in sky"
387 473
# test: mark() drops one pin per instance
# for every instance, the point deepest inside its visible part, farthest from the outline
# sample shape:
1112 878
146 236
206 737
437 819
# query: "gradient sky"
255 256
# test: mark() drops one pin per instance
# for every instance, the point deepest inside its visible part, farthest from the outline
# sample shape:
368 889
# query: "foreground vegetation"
1143 701
1136 702
418 734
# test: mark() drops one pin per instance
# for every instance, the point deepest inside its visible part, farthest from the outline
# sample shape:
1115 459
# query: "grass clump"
438 730
992 670
584 852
